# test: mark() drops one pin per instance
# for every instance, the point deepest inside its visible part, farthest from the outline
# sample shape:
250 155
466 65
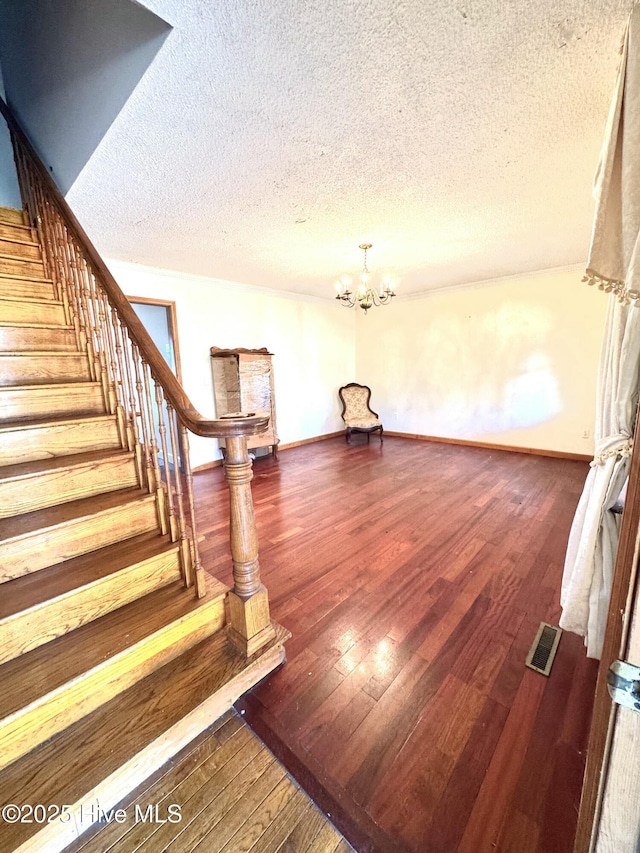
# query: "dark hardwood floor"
413 577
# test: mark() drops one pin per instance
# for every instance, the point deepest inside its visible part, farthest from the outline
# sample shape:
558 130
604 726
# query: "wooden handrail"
184 408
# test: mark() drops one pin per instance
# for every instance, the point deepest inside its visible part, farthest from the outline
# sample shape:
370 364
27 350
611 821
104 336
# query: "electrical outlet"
586 433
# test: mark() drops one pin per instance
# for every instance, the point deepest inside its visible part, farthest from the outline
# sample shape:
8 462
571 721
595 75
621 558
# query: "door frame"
623 592
173 331
173 325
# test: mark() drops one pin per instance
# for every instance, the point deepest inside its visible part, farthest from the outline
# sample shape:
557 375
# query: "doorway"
160 320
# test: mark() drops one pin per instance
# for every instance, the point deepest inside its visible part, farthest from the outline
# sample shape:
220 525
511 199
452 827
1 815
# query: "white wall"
511 362
313 342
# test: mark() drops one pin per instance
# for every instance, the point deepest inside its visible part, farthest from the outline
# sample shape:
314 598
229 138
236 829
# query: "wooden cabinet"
243 382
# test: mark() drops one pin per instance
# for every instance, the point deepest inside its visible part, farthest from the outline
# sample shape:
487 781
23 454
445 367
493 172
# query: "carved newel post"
250 626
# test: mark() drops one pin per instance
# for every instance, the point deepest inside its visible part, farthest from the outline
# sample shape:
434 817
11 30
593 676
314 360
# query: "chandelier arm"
347 299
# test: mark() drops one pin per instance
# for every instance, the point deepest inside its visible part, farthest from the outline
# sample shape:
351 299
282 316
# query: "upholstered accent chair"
357 414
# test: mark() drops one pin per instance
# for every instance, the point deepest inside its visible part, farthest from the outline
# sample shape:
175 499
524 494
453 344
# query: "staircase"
114 647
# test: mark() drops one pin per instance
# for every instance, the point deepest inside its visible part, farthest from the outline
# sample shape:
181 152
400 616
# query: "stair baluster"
199 570
171 522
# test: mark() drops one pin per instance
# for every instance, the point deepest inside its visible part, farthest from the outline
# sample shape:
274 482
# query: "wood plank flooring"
413 577
225 793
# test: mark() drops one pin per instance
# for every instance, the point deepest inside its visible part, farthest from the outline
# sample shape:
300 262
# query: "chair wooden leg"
347 435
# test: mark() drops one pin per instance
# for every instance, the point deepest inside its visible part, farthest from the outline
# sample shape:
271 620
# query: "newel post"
250 623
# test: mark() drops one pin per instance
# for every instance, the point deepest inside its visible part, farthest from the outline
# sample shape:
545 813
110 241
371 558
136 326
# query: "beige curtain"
614 266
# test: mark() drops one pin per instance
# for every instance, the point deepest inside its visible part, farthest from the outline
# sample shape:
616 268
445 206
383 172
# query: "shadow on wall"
70 66
9 190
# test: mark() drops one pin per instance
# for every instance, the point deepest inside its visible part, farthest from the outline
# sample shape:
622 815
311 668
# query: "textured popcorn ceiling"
269 138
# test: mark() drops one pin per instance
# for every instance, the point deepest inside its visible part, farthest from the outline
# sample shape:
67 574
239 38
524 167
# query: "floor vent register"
543 650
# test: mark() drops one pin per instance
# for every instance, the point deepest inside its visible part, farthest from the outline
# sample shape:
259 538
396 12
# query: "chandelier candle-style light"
365 295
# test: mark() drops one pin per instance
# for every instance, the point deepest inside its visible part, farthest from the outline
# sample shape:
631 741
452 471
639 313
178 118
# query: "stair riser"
31 726
16 266
48 440
43 369
19 249
48 488
18 288
28 630
16 232
48 547
50 314
12 216
34 402
20 339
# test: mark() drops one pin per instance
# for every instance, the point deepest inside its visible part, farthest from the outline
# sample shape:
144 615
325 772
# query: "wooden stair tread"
38 423
12 215
22 266
48 436
35 307
39 279
16 229
82 590
32 353
98 745
32 300
52 385
39 368
21 241
55 516
37 337
20 245
34 469
30 287
7 256
35 674
64 399
33 589
42 368
54 327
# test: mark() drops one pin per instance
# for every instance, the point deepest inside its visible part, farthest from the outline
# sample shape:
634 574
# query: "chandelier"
365 295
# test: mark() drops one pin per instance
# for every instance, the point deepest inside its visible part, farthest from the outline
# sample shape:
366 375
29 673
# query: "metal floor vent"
543 650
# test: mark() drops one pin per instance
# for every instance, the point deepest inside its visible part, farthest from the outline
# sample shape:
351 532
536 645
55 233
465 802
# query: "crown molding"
489 282
239 286
208 281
